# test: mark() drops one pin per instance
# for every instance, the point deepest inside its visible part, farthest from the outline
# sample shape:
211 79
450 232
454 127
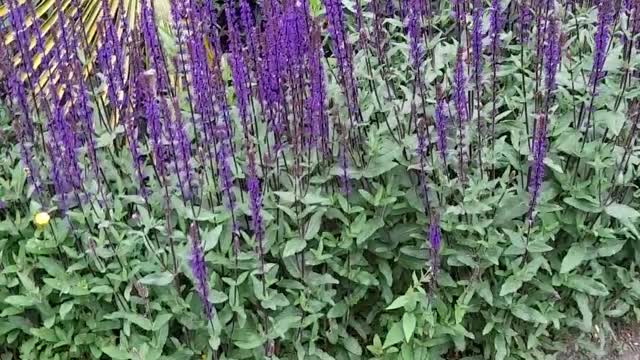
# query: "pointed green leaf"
511 285
314 225
587 285
293 247
575 256
394 336
408 325
159 279
621 211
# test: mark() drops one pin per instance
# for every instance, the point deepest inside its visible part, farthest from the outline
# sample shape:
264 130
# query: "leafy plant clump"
319 179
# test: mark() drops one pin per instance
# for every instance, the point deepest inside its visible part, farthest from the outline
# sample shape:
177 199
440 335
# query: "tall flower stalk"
441 119
414 32
477 35
342 51
199 270
495 27
539 145
536 168
460 102
601 39
435 242
24 126
254 190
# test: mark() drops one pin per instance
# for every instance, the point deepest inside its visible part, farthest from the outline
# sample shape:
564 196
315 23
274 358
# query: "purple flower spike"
152 42
110 56
458 11
536 168
435 241
495 26
24 126
441 119
551 55
414 31
238 68
250 33
601 38
524 22
62 146
459 88
460 102
255 203
131 131
342 51
181 147
147 85
476 43
199 270
319 128
225 177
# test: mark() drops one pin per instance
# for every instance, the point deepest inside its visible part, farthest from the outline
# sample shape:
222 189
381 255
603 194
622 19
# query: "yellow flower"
41 219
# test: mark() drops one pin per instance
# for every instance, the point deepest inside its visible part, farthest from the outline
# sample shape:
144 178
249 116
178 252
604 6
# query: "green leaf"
314 225
622 212
293 247
45 334
21 300
401 301
159 279
405 232
160 321
539 246
611 247
352 345
582 204
247 339
65 308
394 336
337 310
211 238
612 119
408 325
27 283
283 324
380 165
370 228
583 305
115 352
101 289
511 285
552 165
575 256
501 347
484 290
512 206
587 285
528 314
286 196
137 319
385 269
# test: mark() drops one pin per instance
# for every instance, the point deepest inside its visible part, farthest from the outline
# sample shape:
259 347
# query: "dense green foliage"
350 275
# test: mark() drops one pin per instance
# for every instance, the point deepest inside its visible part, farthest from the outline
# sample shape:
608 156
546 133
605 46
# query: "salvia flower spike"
435 241
199 270
441 119
536 169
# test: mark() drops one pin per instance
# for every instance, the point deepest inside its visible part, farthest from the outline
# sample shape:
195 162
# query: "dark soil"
625 345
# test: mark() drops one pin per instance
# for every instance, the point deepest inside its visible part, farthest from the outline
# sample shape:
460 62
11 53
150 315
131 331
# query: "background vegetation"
317 179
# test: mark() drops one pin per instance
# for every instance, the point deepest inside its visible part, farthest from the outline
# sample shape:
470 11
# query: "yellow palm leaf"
47 13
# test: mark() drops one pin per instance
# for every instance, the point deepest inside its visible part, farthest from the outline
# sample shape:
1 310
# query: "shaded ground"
625 346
